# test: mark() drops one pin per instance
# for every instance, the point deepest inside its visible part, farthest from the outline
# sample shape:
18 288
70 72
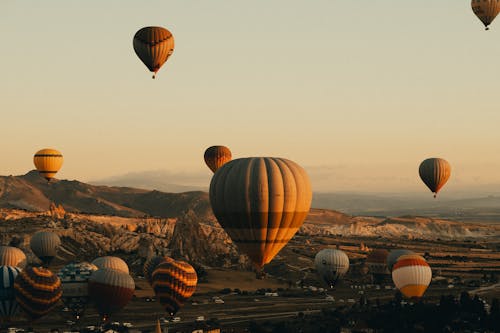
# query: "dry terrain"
135 224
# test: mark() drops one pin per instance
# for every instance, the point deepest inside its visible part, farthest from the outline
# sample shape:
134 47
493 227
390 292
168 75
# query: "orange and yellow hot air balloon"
173 282
486 10
151 264
411 275
261 202
434 172
37 291
217 156
48 162
153 45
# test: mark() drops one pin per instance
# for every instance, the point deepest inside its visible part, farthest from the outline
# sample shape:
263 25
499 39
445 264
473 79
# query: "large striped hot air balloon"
394 256
111 290
261 202
174 282
412 275
153 45
12 256
37 291
48 162
150 266
377 264
111 263
8 305
217 156
75 280
434 172
331 265
486 10
45 245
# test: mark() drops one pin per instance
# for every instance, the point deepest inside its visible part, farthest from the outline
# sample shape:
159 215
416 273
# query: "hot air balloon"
153 45
434 173
8 305
394 256
12 256
486 10
37 291
111 263
261 202
217 156
111 290
331 265
48 162
74 279
150 266
377 264
412 275
45 245
174 282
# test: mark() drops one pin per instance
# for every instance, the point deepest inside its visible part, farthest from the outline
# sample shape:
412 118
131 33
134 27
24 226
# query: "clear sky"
357 92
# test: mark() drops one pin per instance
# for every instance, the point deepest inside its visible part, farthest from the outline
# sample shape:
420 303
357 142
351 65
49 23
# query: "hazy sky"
358 92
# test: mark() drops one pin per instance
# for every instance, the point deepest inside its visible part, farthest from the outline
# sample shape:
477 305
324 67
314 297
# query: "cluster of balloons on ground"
410 272
105 282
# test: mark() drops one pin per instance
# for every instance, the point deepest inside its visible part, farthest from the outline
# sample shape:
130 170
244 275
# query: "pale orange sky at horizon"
356 92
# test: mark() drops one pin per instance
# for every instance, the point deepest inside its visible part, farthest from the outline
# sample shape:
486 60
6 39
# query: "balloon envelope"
111 290
331 265
261 202
174 282
48 162
153 45
37 291
8 305
486 10
217 156
412 275
12 256
434 172
151 264
45 245
111 263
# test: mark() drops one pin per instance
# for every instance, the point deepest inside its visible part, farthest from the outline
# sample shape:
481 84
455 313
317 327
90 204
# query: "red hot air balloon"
111 290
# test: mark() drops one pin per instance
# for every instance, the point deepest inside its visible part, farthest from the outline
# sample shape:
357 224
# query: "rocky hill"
33 193
325 222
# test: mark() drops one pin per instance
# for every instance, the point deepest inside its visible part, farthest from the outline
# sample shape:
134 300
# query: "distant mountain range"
160 180
32 192
458 207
